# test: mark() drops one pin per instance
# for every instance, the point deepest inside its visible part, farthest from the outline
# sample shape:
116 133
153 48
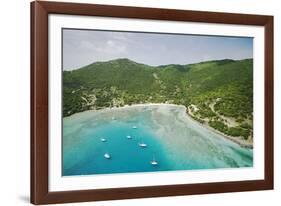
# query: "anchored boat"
154 162
107 156
142 145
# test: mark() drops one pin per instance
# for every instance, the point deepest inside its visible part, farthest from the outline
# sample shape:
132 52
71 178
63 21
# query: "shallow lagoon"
175 140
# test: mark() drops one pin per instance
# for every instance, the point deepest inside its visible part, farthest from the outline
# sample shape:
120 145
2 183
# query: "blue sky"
82 47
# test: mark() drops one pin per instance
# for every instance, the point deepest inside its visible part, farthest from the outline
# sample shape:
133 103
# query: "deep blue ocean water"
174 140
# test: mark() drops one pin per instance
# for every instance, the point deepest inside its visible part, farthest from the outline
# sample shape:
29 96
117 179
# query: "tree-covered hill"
218 93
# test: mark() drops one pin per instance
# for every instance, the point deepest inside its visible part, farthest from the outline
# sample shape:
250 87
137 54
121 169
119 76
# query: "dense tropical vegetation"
216 93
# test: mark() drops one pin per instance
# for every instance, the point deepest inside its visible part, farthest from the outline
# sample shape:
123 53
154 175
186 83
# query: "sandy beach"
183 109
237 140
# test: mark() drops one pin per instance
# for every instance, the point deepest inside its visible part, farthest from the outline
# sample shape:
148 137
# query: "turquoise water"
174 140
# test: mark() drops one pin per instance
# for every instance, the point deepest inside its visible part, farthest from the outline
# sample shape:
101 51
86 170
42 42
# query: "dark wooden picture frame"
39 102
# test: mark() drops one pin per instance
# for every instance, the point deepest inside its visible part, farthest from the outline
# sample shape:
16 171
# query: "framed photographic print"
131 102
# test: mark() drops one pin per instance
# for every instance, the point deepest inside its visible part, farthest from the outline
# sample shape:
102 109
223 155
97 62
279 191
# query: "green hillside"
217 93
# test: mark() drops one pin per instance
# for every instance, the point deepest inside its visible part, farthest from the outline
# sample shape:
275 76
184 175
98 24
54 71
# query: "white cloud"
112 48
86 45
110 43
108 47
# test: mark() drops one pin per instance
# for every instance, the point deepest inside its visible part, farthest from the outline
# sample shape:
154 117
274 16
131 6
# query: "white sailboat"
142 144
134 127
103 139
107 156
129 137
154 162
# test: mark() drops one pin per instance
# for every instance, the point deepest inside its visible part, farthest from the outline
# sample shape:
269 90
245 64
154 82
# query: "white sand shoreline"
125 107
240 142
